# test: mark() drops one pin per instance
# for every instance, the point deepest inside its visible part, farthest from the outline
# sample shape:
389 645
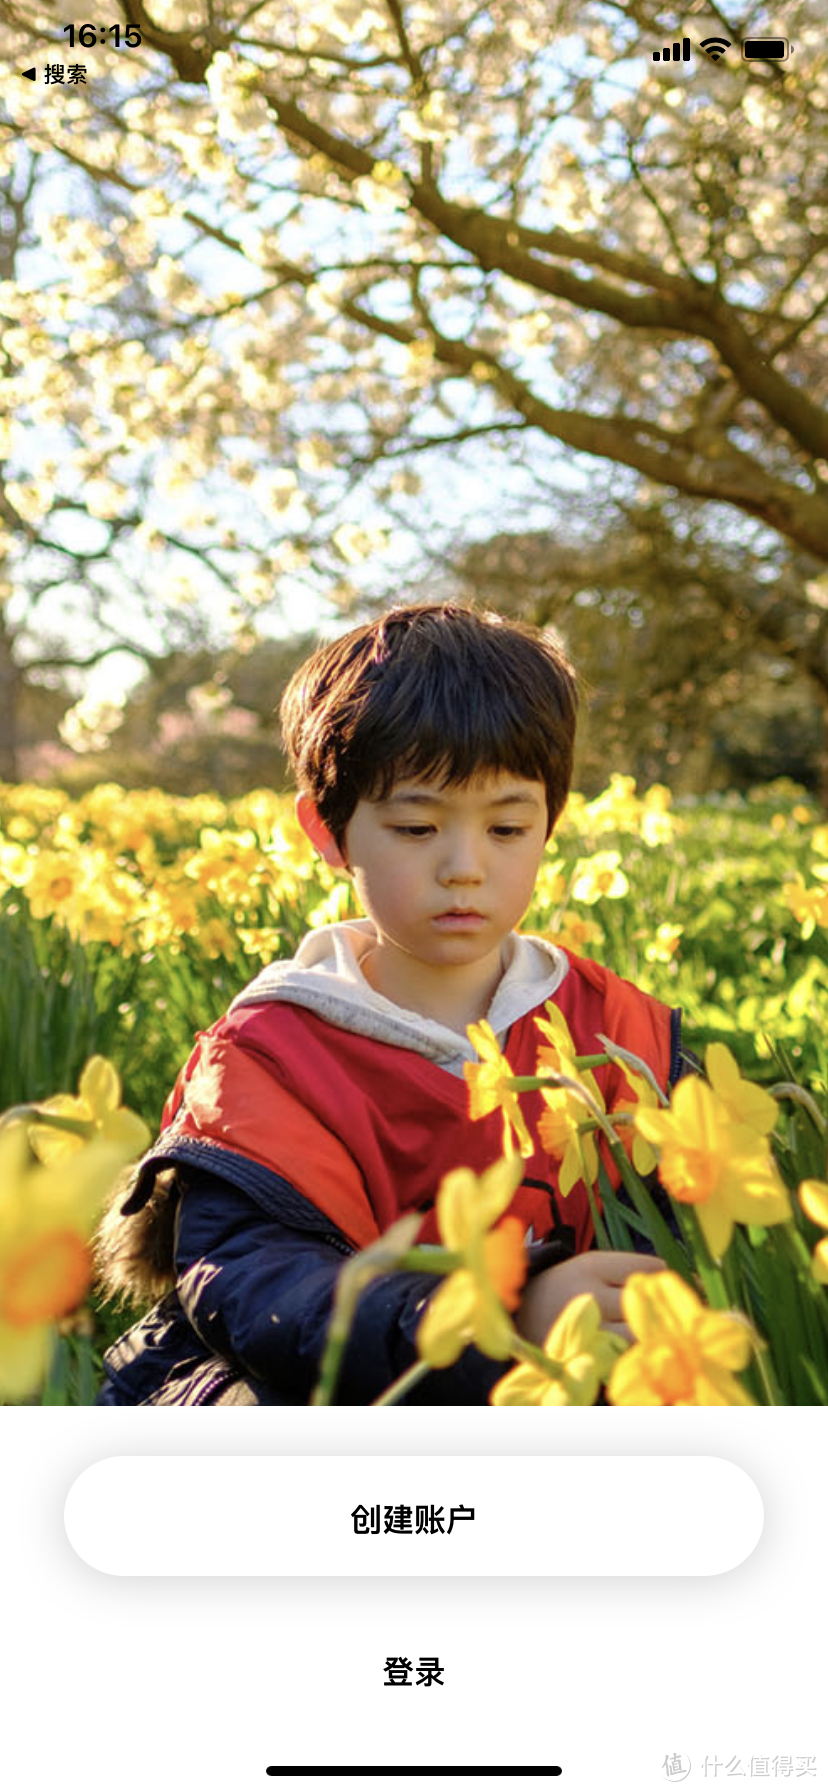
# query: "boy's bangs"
455 747
437 693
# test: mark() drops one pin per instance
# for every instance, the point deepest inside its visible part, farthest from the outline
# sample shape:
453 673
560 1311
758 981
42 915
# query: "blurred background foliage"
694 706
311 307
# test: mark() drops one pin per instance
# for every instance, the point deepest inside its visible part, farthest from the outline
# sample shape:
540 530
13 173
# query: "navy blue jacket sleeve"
257 1286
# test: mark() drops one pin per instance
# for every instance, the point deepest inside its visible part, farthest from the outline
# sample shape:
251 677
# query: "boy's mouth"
459 914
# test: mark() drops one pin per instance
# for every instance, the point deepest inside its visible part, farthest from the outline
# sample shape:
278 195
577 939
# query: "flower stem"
35 1116
551 1081
602 1237
662 1238
532 1353
394 1248
431 1258
793 1092
332 1359
400 1387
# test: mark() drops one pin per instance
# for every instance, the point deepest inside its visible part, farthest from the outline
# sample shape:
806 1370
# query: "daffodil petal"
100 1086
523 1386
759 1199
576 1326
628 1384
455 1204
492 1329
24 1359
644 1157
482 1036
717 1225
726 1337
747 1101
583 1379
819 1262
447 1325
467 1205
125 1129
813 1199
654 1303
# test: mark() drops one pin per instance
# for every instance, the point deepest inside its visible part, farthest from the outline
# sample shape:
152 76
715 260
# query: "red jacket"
366 1130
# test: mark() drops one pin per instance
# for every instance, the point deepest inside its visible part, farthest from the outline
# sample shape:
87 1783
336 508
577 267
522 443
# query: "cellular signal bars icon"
681 52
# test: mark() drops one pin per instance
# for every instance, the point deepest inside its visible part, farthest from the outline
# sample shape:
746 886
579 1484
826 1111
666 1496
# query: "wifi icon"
715 46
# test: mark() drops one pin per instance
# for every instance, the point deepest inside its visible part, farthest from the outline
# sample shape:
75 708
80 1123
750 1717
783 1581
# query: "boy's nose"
462 865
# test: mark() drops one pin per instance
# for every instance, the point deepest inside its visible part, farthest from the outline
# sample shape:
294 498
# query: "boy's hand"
602 1273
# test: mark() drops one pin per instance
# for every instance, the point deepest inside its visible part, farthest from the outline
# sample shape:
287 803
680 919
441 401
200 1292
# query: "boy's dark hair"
429 690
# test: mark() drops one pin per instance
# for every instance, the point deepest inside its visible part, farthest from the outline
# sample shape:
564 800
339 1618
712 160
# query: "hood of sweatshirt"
326 976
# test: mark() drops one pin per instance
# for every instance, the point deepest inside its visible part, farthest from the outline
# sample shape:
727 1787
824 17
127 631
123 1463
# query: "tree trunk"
9 678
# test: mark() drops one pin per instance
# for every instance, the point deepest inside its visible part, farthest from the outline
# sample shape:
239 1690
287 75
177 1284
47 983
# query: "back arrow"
29 74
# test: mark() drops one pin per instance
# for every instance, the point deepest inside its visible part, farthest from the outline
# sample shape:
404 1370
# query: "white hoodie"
326 976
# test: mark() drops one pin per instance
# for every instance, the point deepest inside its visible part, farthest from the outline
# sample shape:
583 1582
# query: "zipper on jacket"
340 1244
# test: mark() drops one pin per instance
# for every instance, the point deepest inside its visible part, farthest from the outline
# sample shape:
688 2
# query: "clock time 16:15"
88 35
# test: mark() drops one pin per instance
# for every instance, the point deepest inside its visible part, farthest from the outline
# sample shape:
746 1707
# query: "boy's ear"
319 835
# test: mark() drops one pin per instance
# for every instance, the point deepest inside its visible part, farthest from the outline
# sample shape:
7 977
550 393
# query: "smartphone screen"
420 375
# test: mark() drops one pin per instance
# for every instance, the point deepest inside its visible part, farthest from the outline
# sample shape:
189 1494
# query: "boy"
432 750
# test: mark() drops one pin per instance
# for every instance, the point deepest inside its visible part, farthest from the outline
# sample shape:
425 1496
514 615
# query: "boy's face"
444 873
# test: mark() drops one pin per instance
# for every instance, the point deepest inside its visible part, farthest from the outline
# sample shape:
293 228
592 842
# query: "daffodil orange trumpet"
54 1178
714 1152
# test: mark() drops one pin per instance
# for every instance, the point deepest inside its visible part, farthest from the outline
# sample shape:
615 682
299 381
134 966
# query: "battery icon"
766 49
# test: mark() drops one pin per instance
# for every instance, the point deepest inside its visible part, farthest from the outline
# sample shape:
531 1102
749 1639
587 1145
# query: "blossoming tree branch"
299 259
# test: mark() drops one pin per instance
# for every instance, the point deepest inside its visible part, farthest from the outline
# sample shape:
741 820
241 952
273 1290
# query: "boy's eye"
420 832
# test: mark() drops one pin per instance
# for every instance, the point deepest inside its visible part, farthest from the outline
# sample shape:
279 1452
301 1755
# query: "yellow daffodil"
230 865
80 886
550 884
468 1307
488 1089
215 939
559 1132
260 942
684 1354
810 907
644 1100
663 949
715 1163
97 1107
560 1047
599 877
745 1102
14 862
47 1214
581 1350
51 880
573 819
575 932
565 1110
169 915
813 1199
338 905
616 809
657 827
